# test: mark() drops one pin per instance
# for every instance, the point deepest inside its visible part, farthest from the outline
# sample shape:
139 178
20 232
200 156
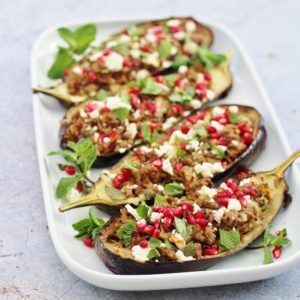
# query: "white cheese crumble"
77 70
234 204
205 190
178 135
217 111
146 149
152 59
233 109
116 102
234 143
167 166
182 69
208 170
191 47
82 113
173 50
210 94
196 208
114 62
166 64
139 253
245 181
122 150
133 212
155 216
169 123
190 26
96 137
94 114
124 38
196 104
111 44
180 35
164 149
194 145
218 214
219 127
173 23
135 53
141 74
131 128
181 257
106 140
150 37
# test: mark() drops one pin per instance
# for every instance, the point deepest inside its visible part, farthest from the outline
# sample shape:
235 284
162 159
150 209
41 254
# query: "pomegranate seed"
219 116
154 126
185 129
222 142
157 30
215 246
192 119
85 70
134 90
175 29
92 76
232 184
201 86
138 152
170 131
240 125
243 201
139 136
88 242
168 212
101 137
277 252
247 129
126 172
190 219
158 208
145 48
117 183
150 106
159 79
168 223
156 223
79 186
223 201
187 53
121 177
156 233
177 108
90 107
210 251
140 227
207 76
106 52
183 145
149 229
215 135
199 215
134 100
179 83
113 134
105 109
224 193
223 121
247 138
224 162
202 222
227 114
188 207
157 163
157 40
248 190
178 166
100 60
144 244
70 170
126 62
239 193
201 115
178 211
211 129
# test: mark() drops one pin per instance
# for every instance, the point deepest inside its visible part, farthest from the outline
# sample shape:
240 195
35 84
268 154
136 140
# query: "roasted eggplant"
157 102
146 48
180 235
204 148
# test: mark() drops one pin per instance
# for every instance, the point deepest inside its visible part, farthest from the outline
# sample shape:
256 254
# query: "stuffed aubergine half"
117 123
180 234
146 48
204 148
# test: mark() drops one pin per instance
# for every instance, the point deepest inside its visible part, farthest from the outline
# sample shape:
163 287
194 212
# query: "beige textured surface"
29 266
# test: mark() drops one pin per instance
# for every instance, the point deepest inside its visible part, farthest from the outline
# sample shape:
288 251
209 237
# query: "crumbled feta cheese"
196 208
159 187
190 26
82 113
224 186
94 114
124 38
173 23
141 74
208 170
234 204
178 135
164 149
96 137
181 257
94 56
182 69
210 95
169 123
217 111
122 150
106 140
245 181
111 44
77 70
155 216
108 174
131 128
73 195
205 190
233 109
196 104
194 145
180 35
135 53
200 77
141 221
146 149
186 113
133 212
173 50
116 102
218 214
114 62
150 37
139 253
166 64
219 127
135 45
234 143
152 59
248 199
167 166
191 47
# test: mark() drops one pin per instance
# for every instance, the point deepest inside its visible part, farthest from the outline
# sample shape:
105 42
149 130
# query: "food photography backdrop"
29 265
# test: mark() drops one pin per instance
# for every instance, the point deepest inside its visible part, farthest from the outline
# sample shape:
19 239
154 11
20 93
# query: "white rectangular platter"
83 261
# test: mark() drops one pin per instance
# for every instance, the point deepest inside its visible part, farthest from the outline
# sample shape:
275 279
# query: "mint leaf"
153 253
171 78
84 35
143 210
121 113
183 228
267 255
175 98
181 152
128 165
229 239
66 154
62 61
218 151
158 200
164 49
154 243
149 194
151 87
68 36
122 48
174 189
102 95
146 132
233 118
135 31
168 244
125 231
208 58
189 249
180 60
65 185
202 132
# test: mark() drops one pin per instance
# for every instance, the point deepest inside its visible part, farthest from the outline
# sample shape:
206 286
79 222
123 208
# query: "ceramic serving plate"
83 261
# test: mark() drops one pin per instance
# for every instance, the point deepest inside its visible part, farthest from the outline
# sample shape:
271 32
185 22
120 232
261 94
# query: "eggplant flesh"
105 194
121 261
200 36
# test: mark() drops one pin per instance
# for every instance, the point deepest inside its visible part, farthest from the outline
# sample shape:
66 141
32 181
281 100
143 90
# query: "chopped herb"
125 231
168 244
122 48
267 255
229 239
128 165
154 243
121 113
180 60
233 118
146 132
143 210
135 31
170 79
153 253
102 95
149 194
184 229
220 152
176 98
189 249
181 152
151 87
174 189
202 132
164 49
158 200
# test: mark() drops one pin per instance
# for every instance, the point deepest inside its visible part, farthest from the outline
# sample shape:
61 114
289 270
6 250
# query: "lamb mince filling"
140 111
178 228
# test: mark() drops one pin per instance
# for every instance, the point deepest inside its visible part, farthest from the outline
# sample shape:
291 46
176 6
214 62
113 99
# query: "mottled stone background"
29 266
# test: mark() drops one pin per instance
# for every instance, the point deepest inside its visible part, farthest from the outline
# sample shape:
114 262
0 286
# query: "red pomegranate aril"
224 193
154 126
90 107
79 186
201 115
144 48
105 109
178 211
232 184
113 134
168 223
150 106
248 190
185 129
240 125
239 193
187 206
227 114
243 201
92 76
223 121
134 100
88 242
156 233
158 208
207 76
70 170
178 167
139 136
168 212
219 116
144 244
210 251
211 129
140 227
222 142
215 135
277 252
159 79
177 108
85 70
202 222
192 119
183 145
175 29
170 131
190 219
156 30
101 137
179 83
201 86
126 172
121 177
149 229
106 52
134 90
247 129
199 215
126 62
215 246
223 201
247 138
117 183
157 40
157 163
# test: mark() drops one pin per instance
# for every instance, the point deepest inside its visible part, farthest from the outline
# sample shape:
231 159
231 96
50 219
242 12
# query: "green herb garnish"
121 113
125 231
229 239
174 189
184 229
143 210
